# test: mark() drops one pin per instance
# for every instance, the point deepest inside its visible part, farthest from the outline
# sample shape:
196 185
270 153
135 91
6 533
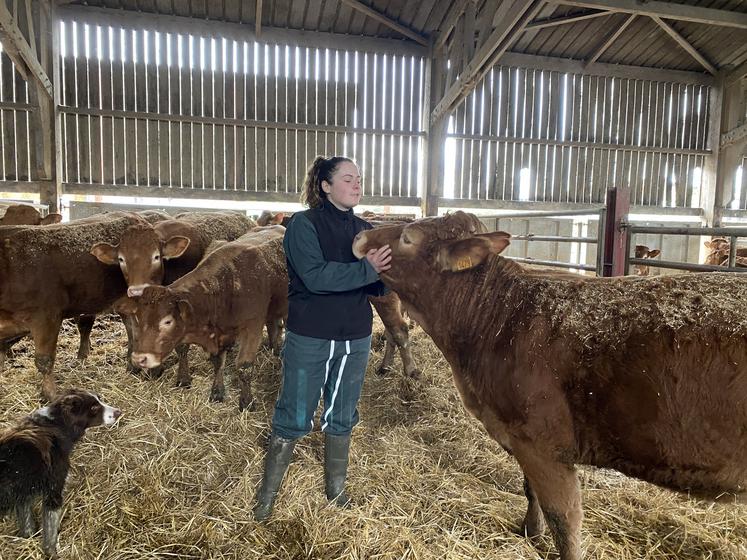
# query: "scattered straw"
176 478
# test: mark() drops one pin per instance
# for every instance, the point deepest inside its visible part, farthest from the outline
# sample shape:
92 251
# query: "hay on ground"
176 478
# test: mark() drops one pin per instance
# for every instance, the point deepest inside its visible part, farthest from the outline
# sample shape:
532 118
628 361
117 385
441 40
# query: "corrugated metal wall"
545 136
169 110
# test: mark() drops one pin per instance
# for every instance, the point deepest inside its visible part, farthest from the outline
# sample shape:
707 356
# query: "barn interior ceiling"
691 35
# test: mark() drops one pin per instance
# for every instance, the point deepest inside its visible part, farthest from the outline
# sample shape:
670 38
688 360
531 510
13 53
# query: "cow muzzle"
145 360
359 242
136 290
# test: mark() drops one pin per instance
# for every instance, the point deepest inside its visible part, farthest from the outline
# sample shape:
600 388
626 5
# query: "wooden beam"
16 46
685 44
571 66
736 74
570 18
498 42
607 43
733 136
258 18
381 18
455 12
237 31
215 194
711 193
667 10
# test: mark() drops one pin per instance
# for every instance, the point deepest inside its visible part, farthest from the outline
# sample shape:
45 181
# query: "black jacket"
328 287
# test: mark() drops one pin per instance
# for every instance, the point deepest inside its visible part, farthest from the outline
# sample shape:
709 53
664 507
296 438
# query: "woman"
328 336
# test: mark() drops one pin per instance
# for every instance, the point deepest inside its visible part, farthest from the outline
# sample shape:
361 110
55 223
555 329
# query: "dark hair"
321 170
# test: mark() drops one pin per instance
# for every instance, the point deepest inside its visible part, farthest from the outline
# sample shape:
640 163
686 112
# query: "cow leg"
385 366
130 367
275 334
85 326
25 518
218 391
245 360
556 488
401 336
44 333
5 346
183 375
534 522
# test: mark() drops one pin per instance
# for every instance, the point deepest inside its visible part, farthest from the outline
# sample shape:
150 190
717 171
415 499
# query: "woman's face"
345 189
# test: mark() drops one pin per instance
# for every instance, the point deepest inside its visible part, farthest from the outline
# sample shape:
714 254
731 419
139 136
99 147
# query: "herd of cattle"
561 369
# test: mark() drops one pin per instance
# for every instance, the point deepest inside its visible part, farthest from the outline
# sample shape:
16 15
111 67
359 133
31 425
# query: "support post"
615 238
712 192
435 136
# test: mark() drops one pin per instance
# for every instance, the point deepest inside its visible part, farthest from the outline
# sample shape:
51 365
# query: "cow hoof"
414 374
250 406
217 394
82 356
383 371
156 372
184 383
532 530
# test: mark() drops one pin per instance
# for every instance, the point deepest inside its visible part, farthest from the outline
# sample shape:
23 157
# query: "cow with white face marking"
643 252
159 254
227 299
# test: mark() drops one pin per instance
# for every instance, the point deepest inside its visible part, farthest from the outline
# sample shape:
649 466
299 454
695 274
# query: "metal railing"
732 233
601 213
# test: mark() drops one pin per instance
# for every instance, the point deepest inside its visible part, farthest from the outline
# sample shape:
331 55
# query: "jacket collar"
334 211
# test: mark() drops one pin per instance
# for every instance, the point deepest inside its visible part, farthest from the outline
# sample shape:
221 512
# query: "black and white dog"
35 459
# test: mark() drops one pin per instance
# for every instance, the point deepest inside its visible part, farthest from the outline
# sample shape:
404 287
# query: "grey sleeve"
305 255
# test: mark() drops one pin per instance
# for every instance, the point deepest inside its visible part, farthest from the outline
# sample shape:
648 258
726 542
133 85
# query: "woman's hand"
380 258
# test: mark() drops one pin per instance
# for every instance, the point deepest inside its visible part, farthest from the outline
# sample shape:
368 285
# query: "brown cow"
48 274
719 255
161 253
565 370
643 252
25 215
235 291
388 307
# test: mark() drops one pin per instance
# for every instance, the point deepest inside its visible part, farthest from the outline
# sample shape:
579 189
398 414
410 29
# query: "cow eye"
156 257
405 239
121 259
168 322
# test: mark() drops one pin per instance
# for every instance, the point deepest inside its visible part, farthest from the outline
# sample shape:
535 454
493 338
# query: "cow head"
140 255
432 246
25 215
267 218
159 320
643 252
718 251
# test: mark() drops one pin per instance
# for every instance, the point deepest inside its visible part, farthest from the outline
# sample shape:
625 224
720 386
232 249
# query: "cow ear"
278 218
185 309
653 253
50 219
707 244
175 247
473 251
125 306
106 253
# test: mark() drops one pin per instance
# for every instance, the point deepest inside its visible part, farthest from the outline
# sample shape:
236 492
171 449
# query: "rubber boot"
336 450
279 453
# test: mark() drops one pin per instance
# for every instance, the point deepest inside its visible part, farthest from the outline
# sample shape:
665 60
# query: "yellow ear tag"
464 263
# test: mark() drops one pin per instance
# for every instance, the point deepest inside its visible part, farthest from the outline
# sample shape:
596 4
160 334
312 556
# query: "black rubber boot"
336 450
279 453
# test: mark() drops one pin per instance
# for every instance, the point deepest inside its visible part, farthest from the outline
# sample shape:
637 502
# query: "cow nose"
140 359
135 291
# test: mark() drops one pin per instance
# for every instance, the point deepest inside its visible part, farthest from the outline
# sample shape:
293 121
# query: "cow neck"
459 306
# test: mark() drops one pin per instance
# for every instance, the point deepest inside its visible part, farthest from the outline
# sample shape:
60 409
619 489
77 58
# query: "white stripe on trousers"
337 383
326 374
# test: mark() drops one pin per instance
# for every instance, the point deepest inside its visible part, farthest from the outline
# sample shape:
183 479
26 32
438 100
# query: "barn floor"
176 477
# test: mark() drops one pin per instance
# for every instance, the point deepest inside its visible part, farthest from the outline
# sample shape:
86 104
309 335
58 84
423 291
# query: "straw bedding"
175 479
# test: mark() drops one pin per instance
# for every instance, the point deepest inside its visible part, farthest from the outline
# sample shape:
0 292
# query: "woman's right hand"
380 258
